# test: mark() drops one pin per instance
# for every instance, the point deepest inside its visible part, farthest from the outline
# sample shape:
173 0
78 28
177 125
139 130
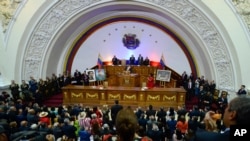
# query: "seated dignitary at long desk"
115 60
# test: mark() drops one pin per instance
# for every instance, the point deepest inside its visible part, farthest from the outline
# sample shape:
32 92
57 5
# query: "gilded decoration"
141 97
129 97
92 96
181 98
112 97
169 98
65 95
74 95
154 98
102 94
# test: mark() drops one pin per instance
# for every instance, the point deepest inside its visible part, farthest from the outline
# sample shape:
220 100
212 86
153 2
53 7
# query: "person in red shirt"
150 81
44 118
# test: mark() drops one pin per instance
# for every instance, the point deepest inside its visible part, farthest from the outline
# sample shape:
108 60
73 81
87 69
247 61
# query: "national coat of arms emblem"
130 41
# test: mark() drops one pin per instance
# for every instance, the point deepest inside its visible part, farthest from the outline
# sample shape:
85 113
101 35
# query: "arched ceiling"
56 32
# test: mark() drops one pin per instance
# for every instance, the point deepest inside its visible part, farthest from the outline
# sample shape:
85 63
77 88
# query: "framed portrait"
100 74
91 74
163 75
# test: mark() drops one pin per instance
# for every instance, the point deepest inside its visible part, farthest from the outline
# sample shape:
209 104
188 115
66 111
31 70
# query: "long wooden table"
127 96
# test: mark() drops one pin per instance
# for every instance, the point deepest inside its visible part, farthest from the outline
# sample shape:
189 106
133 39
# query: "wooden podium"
127 79
116 77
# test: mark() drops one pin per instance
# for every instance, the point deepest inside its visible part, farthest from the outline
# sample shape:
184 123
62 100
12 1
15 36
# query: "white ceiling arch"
56 32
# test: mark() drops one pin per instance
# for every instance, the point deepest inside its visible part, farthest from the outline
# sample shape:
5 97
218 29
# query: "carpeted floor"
190 103
54 101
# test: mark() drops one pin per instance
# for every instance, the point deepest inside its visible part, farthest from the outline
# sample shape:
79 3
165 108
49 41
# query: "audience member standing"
182 125
25 91
190 89
38 97
115 109
242 90
78 77
85 79
222 103
184 78
150 111
69 130
33 85
14 88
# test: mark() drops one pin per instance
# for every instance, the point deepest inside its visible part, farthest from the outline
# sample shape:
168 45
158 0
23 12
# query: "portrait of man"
91 74
100 74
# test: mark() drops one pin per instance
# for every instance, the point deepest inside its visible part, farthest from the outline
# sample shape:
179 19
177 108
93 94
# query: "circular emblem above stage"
130 41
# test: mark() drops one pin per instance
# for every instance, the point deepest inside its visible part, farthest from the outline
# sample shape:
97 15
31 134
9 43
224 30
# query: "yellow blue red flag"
162 61
99 61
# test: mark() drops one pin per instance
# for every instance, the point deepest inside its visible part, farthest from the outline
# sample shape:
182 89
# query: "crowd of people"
36 121
24 117
206 93
21 121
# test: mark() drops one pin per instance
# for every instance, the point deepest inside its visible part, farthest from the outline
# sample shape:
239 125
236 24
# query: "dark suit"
241 92
190 89
132 60
202 135
69 131
114 110
140 60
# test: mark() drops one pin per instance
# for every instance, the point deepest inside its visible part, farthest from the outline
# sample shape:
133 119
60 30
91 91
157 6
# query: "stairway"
189 104
54 101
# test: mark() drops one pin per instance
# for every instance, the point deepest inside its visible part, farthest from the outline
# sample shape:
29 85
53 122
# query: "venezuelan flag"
99 61
162 61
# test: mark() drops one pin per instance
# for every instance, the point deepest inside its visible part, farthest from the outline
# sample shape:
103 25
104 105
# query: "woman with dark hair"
126 124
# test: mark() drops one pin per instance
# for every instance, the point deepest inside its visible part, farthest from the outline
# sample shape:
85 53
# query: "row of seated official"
116 61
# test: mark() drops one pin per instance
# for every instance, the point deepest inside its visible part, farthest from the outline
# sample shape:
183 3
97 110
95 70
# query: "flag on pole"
162 61
99 61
